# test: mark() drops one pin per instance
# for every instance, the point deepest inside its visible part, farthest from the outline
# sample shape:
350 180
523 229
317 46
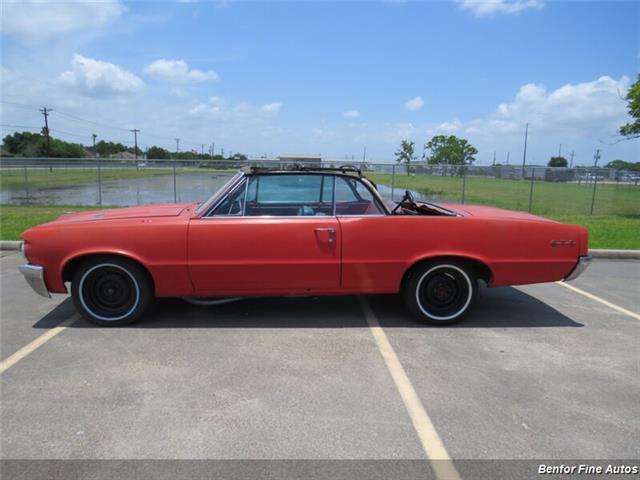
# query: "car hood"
146 211
481 211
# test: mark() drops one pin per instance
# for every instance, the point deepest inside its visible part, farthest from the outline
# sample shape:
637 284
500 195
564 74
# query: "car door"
368 249
272 234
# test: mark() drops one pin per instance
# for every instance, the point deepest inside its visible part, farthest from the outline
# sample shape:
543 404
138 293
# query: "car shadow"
504 307
501 307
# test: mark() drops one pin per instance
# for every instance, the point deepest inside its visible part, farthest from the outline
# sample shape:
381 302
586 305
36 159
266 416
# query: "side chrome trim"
581 266
34 275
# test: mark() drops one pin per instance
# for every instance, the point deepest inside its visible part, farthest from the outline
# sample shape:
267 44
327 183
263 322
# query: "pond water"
190 187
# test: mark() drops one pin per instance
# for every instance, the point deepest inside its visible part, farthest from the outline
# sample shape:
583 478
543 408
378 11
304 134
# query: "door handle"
331 233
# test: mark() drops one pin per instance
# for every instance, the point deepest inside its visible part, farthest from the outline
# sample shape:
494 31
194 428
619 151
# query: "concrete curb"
10 244
621 254
596 253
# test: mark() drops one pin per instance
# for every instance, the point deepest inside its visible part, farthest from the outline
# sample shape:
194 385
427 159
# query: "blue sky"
326 77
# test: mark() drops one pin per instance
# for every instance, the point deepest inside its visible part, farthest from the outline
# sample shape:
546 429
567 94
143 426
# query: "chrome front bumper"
581 266
34 275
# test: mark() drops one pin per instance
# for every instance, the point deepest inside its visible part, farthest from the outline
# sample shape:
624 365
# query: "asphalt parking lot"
539 372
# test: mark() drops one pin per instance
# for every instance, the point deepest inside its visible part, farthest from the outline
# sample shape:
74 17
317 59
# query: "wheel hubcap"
444 292
109 292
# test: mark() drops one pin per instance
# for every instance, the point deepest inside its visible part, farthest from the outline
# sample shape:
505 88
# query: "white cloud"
97 78
272 107
217 108
393 133
449 127
177 71
587 105
351 114
414 104
42 20
484 8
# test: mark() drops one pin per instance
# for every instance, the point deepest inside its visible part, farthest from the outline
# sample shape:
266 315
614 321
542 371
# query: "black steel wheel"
440 292
111 291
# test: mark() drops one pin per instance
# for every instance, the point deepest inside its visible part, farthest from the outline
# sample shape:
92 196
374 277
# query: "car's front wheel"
440 292
111 291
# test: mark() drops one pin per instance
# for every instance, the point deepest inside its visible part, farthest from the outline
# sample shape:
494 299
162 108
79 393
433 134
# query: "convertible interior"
310 209
409 206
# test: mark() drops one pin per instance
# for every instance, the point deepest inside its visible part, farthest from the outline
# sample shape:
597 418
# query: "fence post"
593 196
393 181
533 176
175 191
26 184
464 182
99 183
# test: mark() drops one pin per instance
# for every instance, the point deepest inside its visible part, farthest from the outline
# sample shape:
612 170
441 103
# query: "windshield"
218 193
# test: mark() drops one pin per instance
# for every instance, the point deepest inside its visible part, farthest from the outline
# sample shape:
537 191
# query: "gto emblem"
562 243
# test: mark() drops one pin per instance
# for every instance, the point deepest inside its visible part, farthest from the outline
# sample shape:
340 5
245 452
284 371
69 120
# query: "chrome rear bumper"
34 275
581 266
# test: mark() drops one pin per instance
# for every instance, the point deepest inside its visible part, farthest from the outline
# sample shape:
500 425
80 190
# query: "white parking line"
601 300
33 345
432 445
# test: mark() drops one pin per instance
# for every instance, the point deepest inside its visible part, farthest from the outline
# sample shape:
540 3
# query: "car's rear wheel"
111 291
440 292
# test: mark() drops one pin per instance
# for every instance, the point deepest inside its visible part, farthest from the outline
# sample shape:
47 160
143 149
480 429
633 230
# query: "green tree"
158 153
632 129
449 150
109 148
62 149
406 153
27 144
622 165
558 162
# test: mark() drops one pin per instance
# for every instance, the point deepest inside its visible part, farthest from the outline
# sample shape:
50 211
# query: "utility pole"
572 155
508 157
94 136
202 149
596 157
45 111
213 149
524 155
560 150
177 145
494 158
135 141
364 154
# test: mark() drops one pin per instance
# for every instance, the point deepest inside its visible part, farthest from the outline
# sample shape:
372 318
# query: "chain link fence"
113 182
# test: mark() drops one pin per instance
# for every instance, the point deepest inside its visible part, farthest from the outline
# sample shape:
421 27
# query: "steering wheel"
408 197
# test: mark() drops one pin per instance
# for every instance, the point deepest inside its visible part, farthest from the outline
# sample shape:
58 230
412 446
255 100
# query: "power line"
20 105
5 125
77 118
84 120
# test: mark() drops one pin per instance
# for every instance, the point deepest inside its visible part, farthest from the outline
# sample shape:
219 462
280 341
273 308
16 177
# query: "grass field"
13 178
549 198
15 219
606 231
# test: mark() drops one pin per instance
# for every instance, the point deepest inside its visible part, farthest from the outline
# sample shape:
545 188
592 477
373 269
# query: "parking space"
534 372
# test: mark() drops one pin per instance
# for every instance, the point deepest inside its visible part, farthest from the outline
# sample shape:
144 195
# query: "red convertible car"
296 231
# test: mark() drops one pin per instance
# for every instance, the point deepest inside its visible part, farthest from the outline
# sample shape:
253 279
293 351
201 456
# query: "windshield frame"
204 206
